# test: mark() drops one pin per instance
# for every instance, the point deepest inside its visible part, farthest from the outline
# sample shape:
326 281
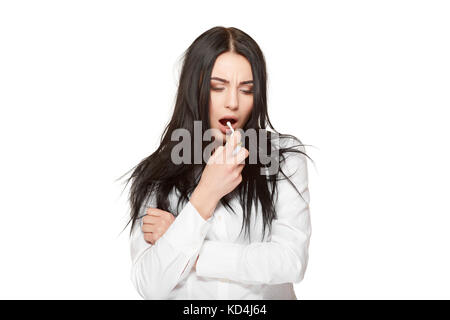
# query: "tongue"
224 121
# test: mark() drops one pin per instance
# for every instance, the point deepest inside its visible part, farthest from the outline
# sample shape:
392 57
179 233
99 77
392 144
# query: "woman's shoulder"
288 146
287 141
291 153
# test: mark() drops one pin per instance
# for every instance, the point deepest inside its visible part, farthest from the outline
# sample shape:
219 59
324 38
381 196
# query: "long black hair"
157 175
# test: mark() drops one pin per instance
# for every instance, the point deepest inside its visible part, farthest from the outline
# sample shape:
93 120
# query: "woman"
186 216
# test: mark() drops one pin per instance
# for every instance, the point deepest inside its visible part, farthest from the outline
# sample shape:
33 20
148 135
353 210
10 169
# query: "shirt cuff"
188 230
218 259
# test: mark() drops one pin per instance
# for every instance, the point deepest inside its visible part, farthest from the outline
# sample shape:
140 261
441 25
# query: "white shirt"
229 266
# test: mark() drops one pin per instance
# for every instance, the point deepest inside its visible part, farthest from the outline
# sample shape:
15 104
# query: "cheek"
247 107
213 107
215 100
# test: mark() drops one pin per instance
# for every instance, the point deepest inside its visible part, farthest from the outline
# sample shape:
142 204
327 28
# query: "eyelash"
245 91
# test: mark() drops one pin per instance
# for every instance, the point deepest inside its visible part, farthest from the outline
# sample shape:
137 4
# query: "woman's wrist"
204 202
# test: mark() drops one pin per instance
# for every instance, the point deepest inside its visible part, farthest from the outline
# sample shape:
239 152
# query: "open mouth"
225 120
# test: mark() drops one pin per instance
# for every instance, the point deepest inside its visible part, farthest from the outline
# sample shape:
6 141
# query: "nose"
232 100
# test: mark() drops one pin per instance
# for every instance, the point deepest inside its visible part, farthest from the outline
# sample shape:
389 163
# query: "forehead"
230 65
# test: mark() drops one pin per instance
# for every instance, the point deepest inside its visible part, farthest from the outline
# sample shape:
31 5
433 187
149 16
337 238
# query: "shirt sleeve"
157 269
285 257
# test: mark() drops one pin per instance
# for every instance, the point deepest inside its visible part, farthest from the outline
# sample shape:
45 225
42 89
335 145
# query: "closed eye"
221 89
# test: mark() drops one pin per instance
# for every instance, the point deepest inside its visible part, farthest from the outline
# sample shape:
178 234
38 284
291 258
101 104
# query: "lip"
225 128
229 117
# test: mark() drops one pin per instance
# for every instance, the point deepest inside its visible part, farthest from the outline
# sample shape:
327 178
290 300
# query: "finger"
154 212
149 238
148 228
219 156
241 155
236 150
150 219
233 142
152 236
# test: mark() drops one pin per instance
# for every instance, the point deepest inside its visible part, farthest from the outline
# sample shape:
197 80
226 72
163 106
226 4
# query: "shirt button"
220 217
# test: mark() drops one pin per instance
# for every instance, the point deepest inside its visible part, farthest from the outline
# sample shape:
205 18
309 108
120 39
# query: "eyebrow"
226 81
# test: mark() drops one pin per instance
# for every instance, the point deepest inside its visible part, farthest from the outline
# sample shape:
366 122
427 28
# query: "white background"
86 88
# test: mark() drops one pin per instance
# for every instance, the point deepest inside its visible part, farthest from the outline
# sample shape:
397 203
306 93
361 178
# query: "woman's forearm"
204 202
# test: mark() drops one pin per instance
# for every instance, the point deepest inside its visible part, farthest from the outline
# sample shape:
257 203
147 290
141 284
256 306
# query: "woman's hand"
156 223
222 174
